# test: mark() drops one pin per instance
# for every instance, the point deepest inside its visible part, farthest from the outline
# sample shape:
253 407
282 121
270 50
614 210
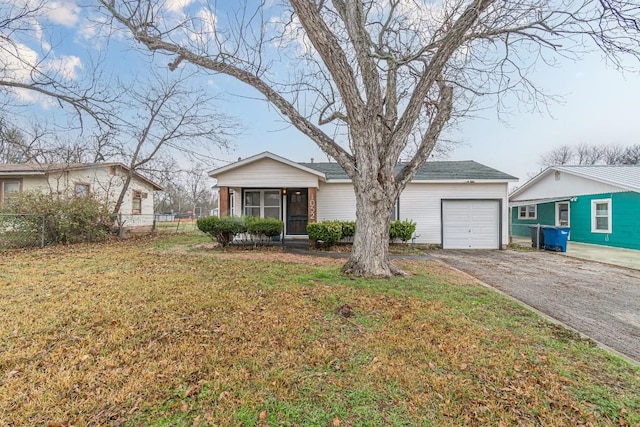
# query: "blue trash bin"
555 238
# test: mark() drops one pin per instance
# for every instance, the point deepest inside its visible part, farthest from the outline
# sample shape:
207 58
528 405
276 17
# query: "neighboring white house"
456 204
102 180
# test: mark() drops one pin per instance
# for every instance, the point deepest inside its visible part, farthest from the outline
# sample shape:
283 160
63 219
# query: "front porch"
296 207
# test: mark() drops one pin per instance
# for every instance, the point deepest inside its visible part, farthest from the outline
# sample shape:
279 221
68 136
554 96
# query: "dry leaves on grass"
128 334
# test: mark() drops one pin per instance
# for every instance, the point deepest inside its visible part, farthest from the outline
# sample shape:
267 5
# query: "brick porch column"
223 201
312 208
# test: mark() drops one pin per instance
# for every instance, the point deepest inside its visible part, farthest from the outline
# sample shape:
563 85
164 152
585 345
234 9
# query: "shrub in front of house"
66 219
348 230
326 233
248 229
222 230
267 227
401 230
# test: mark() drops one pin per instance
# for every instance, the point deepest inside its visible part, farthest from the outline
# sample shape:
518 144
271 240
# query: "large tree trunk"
370 251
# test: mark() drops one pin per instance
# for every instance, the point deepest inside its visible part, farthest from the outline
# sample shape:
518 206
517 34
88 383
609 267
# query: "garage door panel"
471 224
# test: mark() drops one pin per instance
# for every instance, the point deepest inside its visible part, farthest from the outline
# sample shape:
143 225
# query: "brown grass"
150 332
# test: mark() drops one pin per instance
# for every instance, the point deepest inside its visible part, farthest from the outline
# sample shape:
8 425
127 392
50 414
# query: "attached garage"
471 224
456 204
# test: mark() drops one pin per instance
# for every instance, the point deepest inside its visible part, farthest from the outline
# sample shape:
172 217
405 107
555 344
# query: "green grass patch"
164 331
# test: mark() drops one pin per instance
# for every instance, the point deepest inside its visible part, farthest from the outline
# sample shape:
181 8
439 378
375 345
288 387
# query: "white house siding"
421 203
267 173
566 185
336 201
104 184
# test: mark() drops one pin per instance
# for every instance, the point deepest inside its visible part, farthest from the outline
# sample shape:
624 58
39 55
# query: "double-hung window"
528 212
262 203
136 202
601 216
9 188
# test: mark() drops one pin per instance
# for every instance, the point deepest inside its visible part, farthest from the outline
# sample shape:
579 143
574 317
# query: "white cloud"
65 13
177 5
204 26
66 66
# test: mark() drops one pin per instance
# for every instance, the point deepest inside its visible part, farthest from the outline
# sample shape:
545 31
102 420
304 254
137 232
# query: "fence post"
42 228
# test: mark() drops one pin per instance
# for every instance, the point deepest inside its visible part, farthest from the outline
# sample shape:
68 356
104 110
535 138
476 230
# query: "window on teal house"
528 212
601 216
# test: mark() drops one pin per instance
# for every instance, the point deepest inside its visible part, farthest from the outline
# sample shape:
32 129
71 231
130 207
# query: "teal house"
600 204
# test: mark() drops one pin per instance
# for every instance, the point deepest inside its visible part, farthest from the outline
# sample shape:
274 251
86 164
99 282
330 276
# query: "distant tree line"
589 154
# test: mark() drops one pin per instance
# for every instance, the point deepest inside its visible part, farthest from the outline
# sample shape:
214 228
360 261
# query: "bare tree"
29 75
168 115
612 154
631 155
197 187
382 74
558 156
593 155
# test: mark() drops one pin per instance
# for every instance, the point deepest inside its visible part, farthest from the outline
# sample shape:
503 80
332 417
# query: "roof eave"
265 155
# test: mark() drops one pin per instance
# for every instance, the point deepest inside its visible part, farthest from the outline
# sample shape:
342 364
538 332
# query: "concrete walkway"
629 258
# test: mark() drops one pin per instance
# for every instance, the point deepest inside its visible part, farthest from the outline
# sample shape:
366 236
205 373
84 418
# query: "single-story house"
600 204
459 204
103 180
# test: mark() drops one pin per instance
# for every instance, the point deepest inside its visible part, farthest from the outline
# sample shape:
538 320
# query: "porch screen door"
297 211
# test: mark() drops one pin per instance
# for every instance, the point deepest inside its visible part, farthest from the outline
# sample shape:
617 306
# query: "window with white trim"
601 216
528 212
9 188
232 203
136 202
262 203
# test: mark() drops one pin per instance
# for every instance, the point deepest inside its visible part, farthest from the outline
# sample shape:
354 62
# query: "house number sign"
312 206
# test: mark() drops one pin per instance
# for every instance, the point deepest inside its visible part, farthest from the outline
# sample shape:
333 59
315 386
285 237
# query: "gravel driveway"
599 300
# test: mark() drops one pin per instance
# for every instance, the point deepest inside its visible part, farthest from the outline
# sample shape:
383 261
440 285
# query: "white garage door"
470 224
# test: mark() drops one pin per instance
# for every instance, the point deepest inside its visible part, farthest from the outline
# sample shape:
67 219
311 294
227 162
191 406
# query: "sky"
600 105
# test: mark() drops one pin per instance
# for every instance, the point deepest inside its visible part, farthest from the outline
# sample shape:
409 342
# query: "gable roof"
626 177
265 155
42 169
466 170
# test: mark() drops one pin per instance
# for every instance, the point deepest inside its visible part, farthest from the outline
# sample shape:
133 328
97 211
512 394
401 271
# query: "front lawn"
166 331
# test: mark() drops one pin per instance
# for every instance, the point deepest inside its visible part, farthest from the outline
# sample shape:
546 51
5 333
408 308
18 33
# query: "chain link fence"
22 231
30 230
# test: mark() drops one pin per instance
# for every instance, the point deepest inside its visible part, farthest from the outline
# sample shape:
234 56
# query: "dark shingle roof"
431 171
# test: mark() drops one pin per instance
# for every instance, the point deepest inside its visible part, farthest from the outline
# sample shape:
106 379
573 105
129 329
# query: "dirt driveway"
599 300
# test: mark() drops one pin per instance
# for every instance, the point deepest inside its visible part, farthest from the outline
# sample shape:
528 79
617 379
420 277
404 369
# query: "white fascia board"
266 155
23 173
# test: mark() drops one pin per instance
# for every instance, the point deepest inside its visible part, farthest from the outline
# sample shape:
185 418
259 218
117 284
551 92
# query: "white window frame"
3 192
594 216
232 202
526 212
568 214
136 195
262 205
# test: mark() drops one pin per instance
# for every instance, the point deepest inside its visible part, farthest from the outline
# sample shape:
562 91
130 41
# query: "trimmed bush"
268 227
222 230
67 219
325 232
402 230
348 229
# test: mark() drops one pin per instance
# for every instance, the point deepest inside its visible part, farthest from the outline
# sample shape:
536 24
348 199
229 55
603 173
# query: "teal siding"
546 216
625 223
